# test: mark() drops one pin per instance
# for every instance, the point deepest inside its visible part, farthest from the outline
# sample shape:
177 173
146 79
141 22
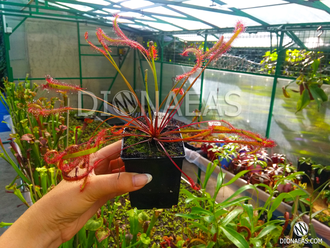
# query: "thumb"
116 184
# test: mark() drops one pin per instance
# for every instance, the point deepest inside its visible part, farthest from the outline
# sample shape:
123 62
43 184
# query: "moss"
87 134
149 148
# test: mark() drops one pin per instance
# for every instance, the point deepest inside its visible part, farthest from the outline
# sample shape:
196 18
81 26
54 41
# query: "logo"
300 228
124 102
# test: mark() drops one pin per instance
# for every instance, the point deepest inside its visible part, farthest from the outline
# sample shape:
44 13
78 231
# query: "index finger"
104 156
109 152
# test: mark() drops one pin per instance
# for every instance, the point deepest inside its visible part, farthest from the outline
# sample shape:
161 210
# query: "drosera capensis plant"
74 160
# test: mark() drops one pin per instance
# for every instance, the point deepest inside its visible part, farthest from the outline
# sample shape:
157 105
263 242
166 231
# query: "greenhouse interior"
165 123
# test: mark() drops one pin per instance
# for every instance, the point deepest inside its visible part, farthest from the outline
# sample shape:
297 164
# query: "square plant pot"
307 168
163 190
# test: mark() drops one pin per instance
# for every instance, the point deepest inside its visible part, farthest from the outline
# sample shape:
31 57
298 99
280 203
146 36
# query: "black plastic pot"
307 168
163 190
320 179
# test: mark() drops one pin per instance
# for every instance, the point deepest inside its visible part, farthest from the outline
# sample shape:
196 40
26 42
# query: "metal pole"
161 67
200 102
280 59
80 71
7 46
202 76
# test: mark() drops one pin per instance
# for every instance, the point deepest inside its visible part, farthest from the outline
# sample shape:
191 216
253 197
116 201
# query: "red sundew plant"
74 161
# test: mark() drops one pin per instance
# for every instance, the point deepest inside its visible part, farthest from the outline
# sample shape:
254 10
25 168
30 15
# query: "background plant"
32 137
306 66
234 222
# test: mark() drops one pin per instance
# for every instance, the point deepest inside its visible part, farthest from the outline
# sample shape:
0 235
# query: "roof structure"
180 16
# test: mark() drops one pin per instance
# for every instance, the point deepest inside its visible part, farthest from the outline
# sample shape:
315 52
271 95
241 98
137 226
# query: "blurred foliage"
295 62
309 67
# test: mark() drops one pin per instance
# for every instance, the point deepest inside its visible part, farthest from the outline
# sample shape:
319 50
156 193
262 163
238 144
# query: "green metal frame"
79 56
36 9
7 45
280 59
161 67
296 39
202 77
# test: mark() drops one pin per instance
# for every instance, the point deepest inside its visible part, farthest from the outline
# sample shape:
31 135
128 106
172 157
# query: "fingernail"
141 179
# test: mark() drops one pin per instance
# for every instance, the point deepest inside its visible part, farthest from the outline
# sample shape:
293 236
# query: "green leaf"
199 210
316 213
248 208
278 200
68 244
3 224
209 219
134 221
93 223
195 224
315 65
265 186
239 191
303 101
238 175
237 201
82 236
81 153
210 244
266 230
209 170
318 93
145 239
235 237
220 212
220 179
276 222
195 199
256 243
313 233
230 216
308 203
188 216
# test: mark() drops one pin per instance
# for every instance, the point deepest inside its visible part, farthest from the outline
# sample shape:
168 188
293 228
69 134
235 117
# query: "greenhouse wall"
44 47
244 100
235 90
302 134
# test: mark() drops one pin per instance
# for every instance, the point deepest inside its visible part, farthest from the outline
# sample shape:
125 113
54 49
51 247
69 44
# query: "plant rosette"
237 165
260 178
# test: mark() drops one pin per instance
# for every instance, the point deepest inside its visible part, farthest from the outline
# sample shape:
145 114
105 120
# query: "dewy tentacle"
199 62
123 40
53 84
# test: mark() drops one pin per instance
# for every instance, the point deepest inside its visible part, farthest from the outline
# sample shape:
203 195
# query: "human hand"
62 212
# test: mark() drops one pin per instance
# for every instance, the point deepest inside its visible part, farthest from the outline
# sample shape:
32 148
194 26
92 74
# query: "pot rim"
156 158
